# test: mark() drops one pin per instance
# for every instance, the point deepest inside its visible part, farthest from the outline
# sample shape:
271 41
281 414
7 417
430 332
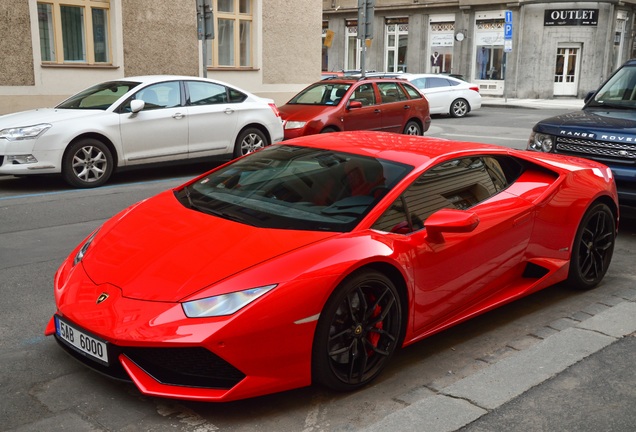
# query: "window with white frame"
74 31
352 46
395 43
233 27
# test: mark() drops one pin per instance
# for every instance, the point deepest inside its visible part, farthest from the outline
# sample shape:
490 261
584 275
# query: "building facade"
523 49
51 49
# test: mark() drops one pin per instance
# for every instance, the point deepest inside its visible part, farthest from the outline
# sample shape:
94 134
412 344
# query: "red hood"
298 112
162 251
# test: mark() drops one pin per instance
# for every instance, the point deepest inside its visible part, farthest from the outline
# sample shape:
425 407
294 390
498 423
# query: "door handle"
377 111
407 106
228 111
178 116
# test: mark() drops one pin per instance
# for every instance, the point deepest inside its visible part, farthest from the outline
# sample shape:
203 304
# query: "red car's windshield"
292 187
322 93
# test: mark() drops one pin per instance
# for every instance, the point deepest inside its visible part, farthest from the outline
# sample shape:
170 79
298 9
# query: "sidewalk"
579 379
559 103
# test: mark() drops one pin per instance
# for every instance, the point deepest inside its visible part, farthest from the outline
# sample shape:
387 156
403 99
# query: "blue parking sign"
507 31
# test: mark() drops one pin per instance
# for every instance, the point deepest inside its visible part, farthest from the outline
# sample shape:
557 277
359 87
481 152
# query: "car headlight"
541 142
224 304
295 124
80 253
25 132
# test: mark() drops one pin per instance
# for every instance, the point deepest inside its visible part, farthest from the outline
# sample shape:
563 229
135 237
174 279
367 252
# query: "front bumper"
166 354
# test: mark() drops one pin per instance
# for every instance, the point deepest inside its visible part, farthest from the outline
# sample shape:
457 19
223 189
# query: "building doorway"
566 71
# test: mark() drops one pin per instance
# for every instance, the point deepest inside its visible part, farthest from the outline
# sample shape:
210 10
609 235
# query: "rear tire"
412 128
459 108
593 248
248 141
358 332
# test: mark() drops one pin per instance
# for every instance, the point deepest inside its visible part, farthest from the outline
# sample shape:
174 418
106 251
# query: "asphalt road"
42 220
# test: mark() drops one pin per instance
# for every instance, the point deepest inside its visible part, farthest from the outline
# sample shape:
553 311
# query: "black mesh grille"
192 367
189 367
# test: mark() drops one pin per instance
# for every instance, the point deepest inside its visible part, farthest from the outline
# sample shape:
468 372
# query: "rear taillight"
275 109
475 88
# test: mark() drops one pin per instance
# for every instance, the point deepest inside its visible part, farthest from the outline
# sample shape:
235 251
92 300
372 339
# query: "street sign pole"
366 11
205 29
507 49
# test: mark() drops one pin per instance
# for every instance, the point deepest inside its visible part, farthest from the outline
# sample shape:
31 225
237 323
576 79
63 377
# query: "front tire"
459 108
412 128
248 141
87 163
593 248
358 332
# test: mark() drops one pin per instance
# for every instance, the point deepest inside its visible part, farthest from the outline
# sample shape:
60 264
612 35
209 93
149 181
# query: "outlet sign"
571 17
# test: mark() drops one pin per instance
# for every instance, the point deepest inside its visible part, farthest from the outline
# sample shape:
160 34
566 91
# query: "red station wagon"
346 104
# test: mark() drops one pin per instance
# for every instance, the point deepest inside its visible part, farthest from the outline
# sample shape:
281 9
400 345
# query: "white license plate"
82 342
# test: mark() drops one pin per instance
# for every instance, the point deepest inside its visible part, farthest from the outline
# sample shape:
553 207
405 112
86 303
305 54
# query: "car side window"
391 92
157 96
412 91
236 96
365 94
419 83
204 93
437 82
456 184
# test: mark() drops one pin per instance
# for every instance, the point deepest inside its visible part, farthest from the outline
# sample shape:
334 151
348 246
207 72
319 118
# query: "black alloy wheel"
358 331
593 248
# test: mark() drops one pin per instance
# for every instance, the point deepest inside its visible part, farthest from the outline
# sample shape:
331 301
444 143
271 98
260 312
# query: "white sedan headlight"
541 142
295 124
225 304
25 132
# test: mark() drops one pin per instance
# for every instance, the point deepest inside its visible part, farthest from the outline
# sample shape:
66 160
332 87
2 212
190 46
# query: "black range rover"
604 130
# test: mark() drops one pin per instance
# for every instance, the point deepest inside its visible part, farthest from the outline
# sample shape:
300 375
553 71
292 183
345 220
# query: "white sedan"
133 121
446 94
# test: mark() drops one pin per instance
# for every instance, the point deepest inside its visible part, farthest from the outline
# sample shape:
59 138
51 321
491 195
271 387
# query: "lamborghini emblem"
102 297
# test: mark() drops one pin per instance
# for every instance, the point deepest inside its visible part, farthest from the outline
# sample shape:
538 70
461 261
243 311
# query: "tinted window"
291 187
456 184
619 91
236 96
204 93
365 94
437 82
412 91
391 92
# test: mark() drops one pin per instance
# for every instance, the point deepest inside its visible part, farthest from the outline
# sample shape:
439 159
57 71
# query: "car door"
394 105
366 117
458 270
438 91
159 132
212 119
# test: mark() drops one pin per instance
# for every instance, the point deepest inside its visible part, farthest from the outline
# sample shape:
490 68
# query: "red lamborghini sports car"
313 260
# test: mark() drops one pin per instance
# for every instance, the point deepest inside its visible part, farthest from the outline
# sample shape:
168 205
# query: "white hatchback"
134 121
446 94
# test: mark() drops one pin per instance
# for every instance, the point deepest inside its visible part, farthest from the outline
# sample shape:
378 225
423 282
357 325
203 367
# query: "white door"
566 72
212 119
159 132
